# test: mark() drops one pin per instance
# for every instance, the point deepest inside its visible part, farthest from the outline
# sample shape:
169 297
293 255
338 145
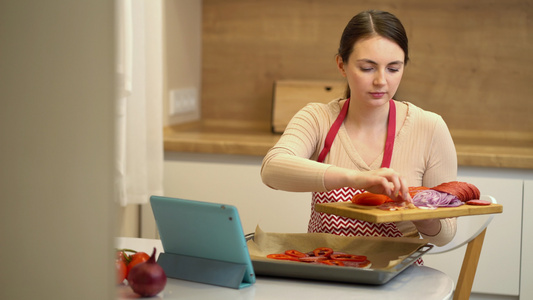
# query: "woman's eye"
394 70
366 69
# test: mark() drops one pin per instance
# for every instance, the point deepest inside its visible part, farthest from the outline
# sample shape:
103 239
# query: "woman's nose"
379 78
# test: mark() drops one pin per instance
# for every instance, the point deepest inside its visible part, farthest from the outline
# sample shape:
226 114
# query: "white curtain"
139 140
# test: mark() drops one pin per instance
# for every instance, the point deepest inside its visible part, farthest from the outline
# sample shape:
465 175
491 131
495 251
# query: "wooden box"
292 95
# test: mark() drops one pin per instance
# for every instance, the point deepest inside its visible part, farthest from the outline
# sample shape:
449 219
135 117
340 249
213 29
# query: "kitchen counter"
474 148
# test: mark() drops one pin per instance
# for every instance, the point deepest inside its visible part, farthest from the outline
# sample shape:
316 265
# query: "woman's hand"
384 181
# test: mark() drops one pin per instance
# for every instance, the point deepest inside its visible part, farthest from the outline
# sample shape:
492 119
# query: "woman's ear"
340 65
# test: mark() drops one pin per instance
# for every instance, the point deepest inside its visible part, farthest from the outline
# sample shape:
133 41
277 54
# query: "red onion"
432 199
148 278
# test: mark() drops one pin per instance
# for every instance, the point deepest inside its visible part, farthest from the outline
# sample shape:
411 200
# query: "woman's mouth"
377 95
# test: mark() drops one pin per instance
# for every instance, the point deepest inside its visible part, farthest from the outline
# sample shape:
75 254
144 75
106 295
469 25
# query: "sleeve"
442 162
288 165
442 167
446 233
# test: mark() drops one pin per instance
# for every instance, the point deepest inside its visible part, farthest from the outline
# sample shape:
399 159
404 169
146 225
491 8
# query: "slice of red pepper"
295 253
323 251
348 257
332 262
282 257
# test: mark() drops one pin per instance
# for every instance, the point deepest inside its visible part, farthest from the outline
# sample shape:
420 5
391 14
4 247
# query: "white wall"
56 155
235 179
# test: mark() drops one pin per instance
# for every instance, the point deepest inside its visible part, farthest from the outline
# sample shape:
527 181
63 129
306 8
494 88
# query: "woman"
366 141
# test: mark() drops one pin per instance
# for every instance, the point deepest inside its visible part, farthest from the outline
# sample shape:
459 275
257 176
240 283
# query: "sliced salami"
312 258
463 190
478 202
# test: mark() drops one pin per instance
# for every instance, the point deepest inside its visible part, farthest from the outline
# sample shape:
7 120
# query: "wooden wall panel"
471 61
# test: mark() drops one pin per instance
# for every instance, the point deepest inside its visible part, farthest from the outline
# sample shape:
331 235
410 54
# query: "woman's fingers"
397 184
405 191
393 183
388 182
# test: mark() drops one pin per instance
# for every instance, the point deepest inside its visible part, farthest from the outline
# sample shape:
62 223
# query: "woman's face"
374 70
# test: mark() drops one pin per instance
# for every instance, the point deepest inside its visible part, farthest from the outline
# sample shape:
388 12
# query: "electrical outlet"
183 101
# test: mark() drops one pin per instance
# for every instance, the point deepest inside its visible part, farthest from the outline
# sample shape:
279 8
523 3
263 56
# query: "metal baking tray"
370 276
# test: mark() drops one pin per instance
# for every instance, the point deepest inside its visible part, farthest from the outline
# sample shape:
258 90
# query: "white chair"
470 230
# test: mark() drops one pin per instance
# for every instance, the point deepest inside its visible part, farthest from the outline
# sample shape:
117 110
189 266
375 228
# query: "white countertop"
413 283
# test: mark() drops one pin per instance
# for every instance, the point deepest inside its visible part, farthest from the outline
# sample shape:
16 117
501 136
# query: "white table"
413 283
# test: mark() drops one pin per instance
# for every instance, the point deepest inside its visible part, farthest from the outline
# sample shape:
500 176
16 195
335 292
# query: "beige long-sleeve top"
424 154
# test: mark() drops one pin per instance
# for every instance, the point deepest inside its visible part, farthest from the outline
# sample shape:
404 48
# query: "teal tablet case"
203 242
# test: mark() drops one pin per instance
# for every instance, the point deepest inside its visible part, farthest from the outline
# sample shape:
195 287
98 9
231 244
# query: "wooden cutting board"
375 215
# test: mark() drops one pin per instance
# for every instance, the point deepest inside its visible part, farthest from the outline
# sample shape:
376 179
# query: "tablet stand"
203 270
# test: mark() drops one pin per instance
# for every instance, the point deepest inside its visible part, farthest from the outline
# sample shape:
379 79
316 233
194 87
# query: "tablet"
202 242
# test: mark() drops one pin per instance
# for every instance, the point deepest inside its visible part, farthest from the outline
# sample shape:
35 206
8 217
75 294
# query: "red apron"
321 222
329 223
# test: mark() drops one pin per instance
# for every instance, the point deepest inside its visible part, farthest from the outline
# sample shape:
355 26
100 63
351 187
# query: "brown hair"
368 23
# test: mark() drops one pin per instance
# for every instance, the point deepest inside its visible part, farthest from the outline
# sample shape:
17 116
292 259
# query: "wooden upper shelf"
484 149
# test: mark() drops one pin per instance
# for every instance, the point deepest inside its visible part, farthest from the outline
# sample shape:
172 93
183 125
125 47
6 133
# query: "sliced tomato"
348 257
295 253
282 257
332 262
323 251
370 199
